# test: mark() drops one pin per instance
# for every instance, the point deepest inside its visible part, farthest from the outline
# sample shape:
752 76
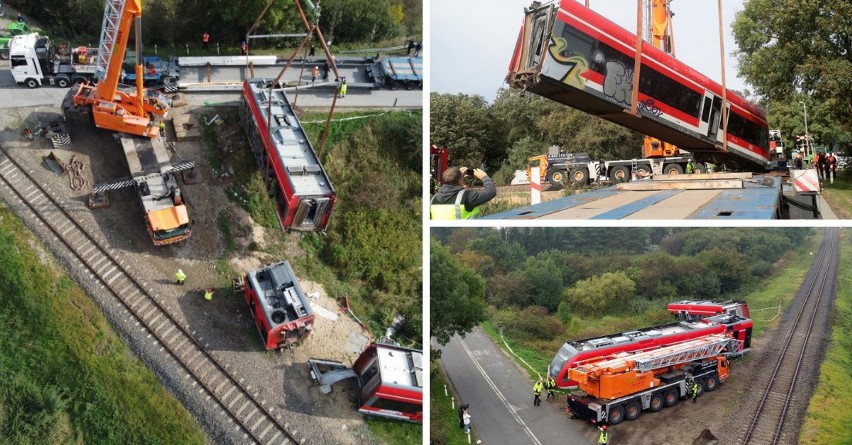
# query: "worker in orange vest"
314 74
205 39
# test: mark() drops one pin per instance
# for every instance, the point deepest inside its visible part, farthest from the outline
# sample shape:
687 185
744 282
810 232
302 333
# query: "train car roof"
293 149
281 297
400 366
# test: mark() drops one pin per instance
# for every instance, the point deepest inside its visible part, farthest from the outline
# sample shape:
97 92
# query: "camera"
469 171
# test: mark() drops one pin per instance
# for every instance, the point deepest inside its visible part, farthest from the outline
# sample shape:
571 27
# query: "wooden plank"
679 185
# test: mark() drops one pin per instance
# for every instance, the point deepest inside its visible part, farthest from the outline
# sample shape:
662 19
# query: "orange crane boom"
627 373
127 111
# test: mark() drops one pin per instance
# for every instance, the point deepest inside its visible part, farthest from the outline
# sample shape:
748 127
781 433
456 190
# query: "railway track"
767 423
253 418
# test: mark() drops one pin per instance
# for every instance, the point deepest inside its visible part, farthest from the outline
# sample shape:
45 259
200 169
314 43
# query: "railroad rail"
768 421
256 421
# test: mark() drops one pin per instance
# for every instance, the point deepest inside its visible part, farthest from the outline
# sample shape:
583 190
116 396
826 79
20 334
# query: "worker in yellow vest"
539 385
181 277
208 295
550 385
454 201
603 439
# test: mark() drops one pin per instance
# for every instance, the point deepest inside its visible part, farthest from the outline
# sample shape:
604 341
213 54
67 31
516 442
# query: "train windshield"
565 352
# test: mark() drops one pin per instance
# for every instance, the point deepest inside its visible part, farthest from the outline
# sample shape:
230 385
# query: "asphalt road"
13 95
500 397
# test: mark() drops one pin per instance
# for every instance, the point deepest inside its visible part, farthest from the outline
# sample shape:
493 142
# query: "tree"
457 295
544 280
596 294
463 124
791 47
508 256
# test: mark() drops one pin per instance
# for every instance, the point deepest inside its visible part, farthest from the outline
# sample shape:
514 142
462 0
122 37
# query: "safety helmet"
603 427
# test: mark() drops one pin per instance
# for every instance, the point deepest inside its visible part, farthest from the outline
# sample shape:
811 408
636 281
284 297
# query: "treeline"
176 22
373 243
502 135
589 272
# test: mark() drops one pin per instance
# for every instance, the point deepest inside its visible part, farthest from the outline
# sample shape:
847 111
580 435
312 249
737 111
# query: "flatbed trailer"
395 72
156 184
722 196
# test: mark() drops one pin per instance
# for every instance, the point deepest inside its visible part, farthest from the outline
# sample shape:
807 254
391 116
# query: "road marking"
500 395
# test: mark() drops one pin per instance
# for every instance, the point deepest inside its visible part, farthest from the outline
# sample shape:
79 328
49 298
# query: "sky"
473 40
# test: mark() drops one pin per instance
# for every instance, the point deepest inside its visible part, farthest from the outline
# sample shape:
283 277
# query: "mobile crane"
621 386
130 112
123 110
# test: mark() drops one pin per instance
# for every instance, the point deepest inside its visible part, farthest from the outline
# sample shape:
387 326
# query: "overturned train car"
291 169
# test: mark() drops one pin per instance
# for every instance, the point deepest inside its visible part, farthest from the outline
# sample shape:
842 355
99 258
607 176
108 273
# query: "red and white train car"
570 54
692 309
390 379
291 168
278 304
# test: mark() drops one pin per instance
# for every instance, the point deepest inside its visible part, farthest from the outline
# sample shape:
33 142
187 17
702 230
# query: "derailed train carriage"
570 54
294 175
279 306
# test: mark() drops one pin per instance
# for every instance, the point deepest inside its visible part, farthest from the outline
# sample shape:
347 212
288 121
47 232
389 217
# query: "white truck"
35 62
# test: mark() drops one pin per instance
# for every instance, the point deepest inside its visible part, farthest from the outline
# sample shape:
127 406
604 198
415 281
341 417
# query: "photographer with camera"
454 201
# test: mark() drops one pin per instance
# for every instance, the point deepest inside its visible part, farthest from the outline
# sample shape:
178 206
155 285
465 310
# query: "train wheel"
580 176
711 383
616 415
671 397
619 174
556 178
672 169
633 410
656 402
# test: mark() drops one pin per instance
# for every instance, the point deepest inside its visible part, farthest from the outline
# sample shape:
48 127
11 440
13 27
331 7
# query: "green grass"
394 431
839 194
764 302
829 419
208 135
224 225
67 376
444 418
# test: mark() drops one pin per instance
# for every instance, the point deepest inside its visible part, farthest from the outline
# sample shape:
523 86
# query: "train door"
538 25
711 106
310 212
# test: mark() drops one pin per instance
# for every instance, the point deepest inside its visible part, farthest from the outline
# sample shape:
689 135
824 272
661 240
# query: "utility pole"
807 137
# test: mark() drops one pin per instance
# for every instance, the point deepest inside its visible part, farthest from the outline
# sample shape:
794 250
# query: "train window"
705 114
395 405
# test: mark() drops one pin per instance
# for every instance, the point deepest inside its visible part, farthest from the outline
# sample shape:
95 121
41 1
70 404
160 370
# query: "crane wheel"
711 383
656 403
671 397
644 170
556 179
633 410
616 415
619 174
672 169
580 176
